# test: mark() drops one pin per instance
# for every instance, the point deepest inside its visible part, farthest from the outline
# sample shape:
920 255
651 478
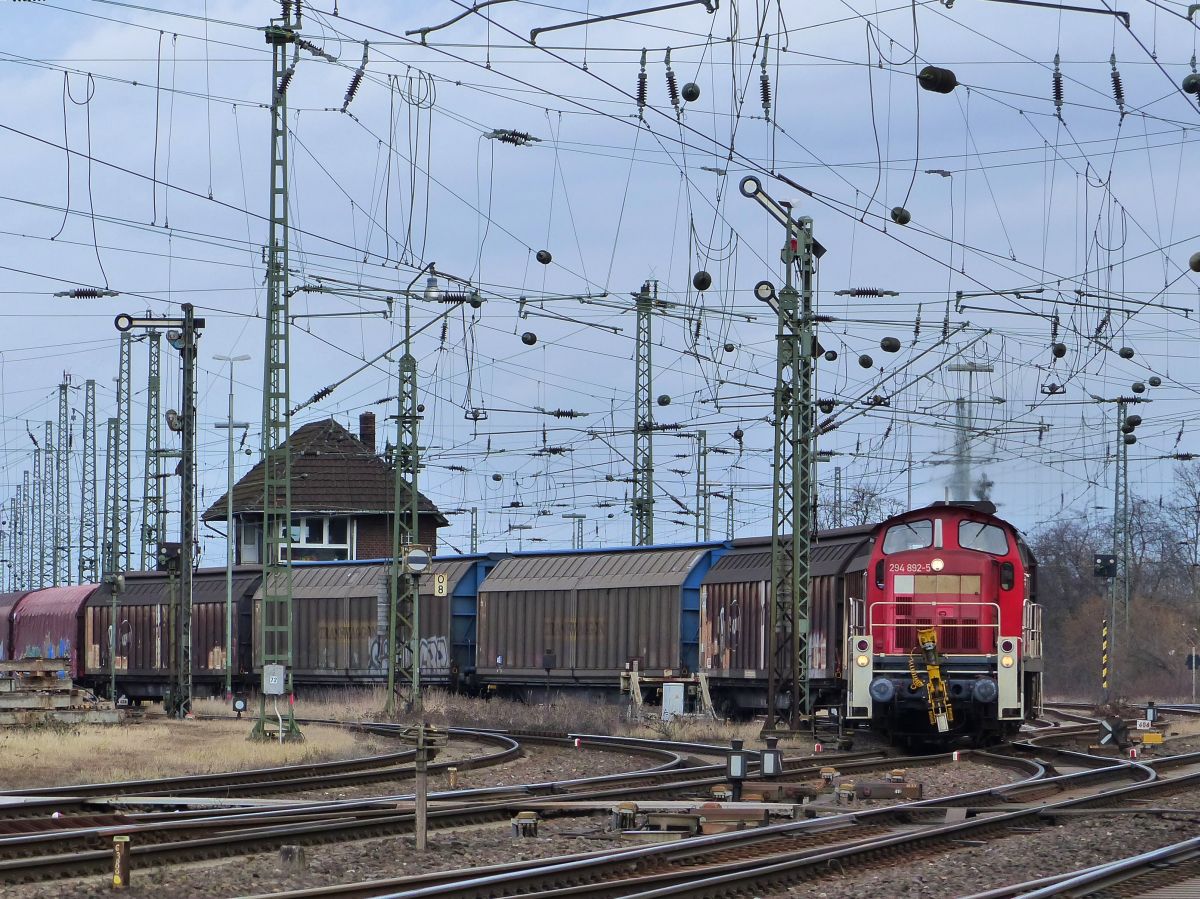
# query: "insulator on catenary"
672 84
917 323
764 82
356 80
866 292
641 86
285 80
1118 88
1058 88
1054 329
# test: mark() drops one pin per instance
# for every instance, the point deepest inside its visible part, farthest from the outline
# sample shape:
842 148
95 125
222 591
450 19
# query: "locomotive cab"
948 620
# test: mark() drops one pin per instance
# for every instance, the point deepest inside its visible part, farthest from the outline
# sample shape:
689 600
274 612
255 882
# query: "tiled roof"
332 471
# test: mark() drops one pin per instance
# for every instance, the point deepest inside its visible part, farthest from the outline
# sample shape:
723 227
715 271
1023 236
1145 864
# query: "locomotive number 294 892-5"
908 567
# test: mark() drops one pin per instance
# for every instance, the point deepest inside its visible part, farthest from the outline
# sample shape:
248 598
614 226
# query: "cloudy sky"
136 146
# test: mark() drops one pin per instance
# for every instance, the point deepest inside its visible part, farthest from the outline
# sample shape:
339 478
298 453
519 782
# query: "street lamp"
229 425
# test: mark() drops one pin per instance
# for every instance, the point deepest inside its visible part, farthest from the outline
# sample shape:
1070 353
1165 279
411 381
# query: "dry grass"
52 756
566 714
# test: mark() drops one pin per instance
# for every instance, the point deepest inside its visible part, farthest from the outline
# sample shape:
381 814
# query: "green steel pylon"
275 619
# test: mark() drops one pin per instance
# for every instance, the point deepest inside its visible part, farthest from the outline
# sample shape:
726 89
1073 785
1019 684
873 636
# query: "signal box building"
342 499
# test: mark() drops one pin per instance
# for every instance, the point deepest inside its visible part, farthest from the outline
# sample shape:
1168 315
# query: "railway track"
767 857
34 845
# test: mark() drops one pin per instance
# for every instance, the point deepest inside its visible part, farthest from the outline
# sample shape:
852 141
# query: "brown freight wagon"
145 633
340 613
590 615
735 615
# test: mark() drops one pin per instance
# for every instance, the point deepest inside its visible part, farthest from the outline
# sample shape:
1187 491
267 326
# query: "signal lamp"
736 766
772 758
765 291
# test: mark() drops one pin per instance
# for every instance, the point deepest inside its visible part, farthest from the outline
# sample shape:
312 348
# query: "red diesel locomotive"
947 641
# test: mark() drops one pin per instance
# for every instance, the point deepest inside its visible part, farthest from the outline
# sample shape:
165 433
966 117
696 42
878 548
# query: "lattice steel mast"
154 523
792 493
276 617
89 555
27 533
405 619
62 488
703 508
187 508
48 550
16 546
37 545
643 421
108 558
122 499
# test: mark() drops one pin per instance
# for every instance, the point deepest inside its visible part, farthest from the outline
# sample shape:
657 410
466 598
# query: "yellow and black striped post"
1104 655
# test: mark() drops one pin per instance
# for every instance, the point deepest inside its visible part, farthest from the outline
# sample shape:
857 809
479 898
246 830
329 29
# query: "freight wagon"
736 614
145 653
340 613
590 615
49 624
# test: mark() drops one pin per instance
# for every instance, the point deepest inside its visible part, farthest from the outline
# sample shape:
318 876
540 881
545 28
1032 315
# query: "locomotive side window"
985 538
909 535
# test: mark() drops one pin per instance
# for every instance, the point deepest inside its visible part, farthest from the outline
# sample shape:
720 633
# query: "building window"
251 543
319 538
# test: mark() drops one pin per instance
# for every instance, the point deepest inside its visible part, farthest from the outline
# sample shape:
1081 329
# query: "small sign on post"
274 680
441 584
120 877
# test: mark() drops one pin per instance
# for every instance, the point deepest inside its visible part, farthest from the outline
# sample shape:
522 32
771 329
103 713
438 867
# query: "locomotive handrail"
980 607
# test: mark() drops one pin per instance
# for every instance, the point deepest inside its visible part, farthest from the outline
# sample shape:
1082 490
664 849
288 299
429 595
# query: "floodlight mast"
792 490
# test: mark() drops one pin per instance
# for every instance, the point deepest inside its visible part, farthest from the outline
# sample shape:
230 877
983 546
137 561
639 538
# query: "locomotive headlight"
1006 662
863 660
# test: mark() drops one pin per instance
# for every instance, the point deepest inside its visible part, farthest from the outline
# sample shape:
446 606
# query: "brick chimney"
366 429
